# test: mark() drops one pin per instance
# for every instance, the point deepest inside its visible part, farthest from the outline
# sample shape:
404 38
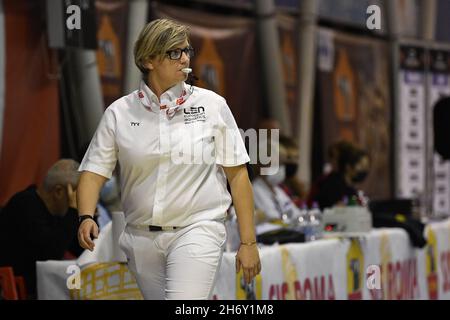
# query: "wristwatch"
84 217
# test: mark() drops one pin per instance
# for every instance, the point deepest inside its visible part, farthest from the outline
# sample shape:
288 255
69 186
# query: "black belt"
153 228
159 228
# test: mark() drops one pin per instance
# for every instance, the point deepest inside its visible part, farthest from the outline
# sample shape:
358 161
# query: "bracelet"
248 243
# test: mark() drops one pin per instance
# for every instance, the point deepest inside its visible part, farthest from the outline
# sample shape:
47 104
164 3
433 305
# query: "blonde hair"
156 39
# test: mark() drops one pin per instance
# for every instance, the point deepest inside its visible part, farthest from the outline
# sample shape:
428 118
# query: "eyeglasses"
175 54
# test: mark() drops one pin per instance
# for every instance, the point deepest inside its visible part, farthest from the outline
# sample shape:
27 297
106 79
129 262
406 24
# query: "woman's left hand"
247 258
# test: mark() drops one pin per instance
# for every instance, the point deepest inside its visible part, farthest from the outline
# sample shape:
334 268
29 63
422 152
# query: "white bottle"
315 221
301 221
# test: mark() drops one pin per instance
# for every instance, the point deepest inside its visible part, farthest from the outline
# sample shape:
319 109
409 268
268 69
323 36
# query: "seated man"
41 223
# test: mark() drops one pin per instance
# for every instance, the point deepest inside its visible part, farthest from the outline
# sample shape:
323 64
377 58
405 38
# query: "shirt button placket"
162 169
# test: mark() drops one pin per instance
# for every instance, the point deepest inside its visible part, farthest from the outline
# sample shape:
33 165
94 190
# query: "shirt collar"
173 93
147 96
150 100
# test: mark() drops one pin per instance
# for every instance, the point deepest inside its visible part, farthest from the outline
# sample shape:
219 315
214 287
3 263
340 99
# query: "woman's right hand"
87 228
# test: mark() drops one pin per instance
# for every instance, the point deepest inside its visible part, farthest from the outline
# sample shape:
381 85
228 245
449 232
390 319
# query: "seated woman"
352 167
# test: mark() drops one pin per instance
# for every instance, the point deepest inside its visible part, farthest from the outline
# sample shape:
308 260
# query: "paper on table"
267 227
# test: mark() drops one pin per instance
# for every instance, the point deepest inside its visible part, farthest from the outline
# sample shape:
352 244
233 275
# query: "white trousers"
181 264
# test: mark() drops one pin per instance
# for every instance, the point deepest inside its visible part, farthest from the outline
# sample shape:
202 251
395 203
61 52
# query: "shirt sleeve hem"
91 167
233 163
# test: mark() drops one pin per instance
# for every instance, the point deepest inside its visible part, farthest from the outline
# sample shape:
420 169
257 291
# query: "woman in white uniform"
177 146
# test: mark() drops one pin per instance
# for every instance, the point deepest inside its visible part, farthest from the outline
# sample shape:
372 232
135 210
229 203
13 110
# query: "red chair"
21 288
8 284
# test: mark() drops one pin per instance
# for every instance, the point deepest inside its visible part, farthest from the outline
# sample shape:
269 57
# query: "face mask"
278 177
360 176
291 169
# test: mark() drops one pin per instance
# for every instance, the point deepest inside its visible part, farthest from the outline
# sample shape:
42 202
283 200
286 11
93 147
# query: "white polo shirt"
170 162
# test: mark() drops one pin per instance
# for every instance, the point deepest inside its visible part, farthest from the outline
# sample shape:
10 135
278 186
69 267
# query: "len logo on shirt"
194 114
